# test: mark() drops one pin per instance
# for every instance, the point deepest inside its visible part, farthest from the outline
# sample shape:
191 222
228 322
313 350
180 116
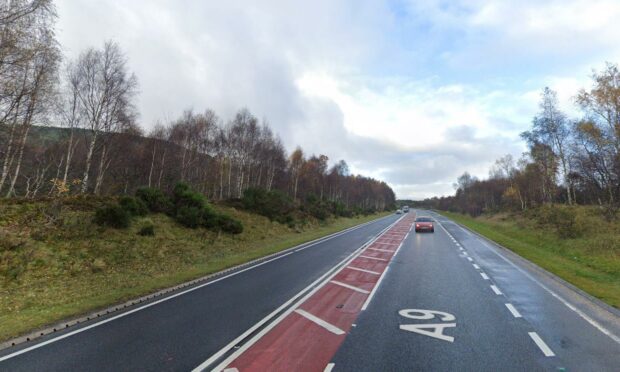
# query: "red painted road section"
308 338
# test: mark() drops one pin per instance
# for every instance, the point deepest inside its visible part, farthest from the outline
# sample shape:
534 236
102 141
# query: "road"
378 297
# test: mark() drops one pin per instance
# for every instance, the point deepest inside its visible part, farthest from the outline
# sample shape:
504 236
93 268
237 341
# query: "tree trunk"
89 158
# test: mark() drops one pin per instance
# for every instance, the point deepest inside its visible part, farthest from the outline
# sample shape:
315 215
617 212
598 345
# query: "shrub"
134 206
229 224
154 199
273 204
561 219
147 228
112 216
189 216
183 196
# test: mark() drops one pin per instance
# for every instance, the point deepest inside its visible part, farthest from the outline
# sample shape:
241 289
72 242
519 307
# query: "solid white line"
476 267
363 270
514 311
585 317
330 327
374 290
541 344
373 258
496 290
321 282
382 250
329 367
484 276
350 287
290 251
231 370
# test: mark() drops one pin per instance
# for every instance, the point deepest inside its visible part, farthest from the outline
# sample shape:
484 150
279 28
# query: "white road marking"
363 270
496 290
318 283
329 367
469 259
585 317
541 344
350 287
476 267
231 370
513 311
465 253
330 327
373 258
382 250
374 290
290 251
484 276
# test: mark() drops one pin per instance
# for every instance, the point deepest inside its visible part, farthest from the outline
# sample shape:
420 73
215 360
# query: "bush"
560 218
229 224
147 228
273 204
134 206
112 216
183 196
189 216
154 199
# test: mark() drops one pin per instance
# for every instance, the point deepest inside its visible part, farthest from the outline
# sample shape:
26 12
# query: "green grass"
49 273
590 261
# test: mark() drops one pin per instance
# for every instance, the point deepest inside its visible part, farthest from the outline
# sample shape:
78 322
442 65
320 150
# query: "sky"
410 92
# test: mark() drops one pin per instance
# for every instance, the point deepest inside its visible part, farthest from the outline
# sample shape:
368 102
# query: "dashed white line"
363 270
469 259
330 327
496 290
372 258
329 367
345 285
476 267
541 344
513 311
484 276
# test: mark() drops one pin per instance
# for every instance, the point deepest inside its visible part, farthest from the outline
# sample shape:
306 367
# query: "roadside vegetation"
57 267
575 243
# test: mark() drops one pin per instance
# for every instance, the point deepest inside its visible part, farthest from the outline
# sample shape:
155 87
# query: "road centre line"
484 276
469 258
541 344
363 270
476 267
374 290
330 327
513 311
353 288
496 290
280 255
318 284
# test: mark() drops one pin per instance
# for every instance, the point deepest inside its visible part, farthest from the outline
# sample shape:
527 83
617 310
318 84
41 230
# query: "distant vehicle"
398 211
406 209
424 224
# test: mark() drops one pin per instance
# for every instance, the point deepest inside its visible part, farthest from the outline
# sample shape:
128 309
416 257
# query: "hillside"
50 272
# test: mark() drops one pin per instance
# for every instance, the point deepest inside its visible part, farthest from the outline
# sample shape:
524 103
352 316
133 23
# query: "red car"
424 224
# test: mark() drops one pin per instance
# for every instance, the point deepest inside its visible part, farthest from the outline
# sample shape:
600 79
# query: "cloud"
412 92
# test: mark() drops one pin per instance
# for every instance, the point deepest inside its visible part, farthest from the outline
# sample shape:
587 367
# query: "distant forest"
71 127
572 161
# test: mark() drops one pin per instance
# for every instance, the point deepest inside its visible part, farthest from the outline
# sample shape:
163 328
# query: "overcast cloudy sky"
411 92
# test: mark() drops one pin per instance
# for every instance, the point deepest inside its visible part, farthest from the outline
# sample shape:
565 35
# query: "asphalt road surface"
376 298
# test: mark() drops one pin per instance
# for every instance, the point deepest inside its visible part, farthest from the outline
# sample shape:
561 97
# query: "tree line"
569 160
96 145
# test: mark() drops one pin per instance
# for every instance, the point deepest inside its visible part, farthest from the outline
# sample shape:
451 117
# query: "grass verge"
591 262
49 273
